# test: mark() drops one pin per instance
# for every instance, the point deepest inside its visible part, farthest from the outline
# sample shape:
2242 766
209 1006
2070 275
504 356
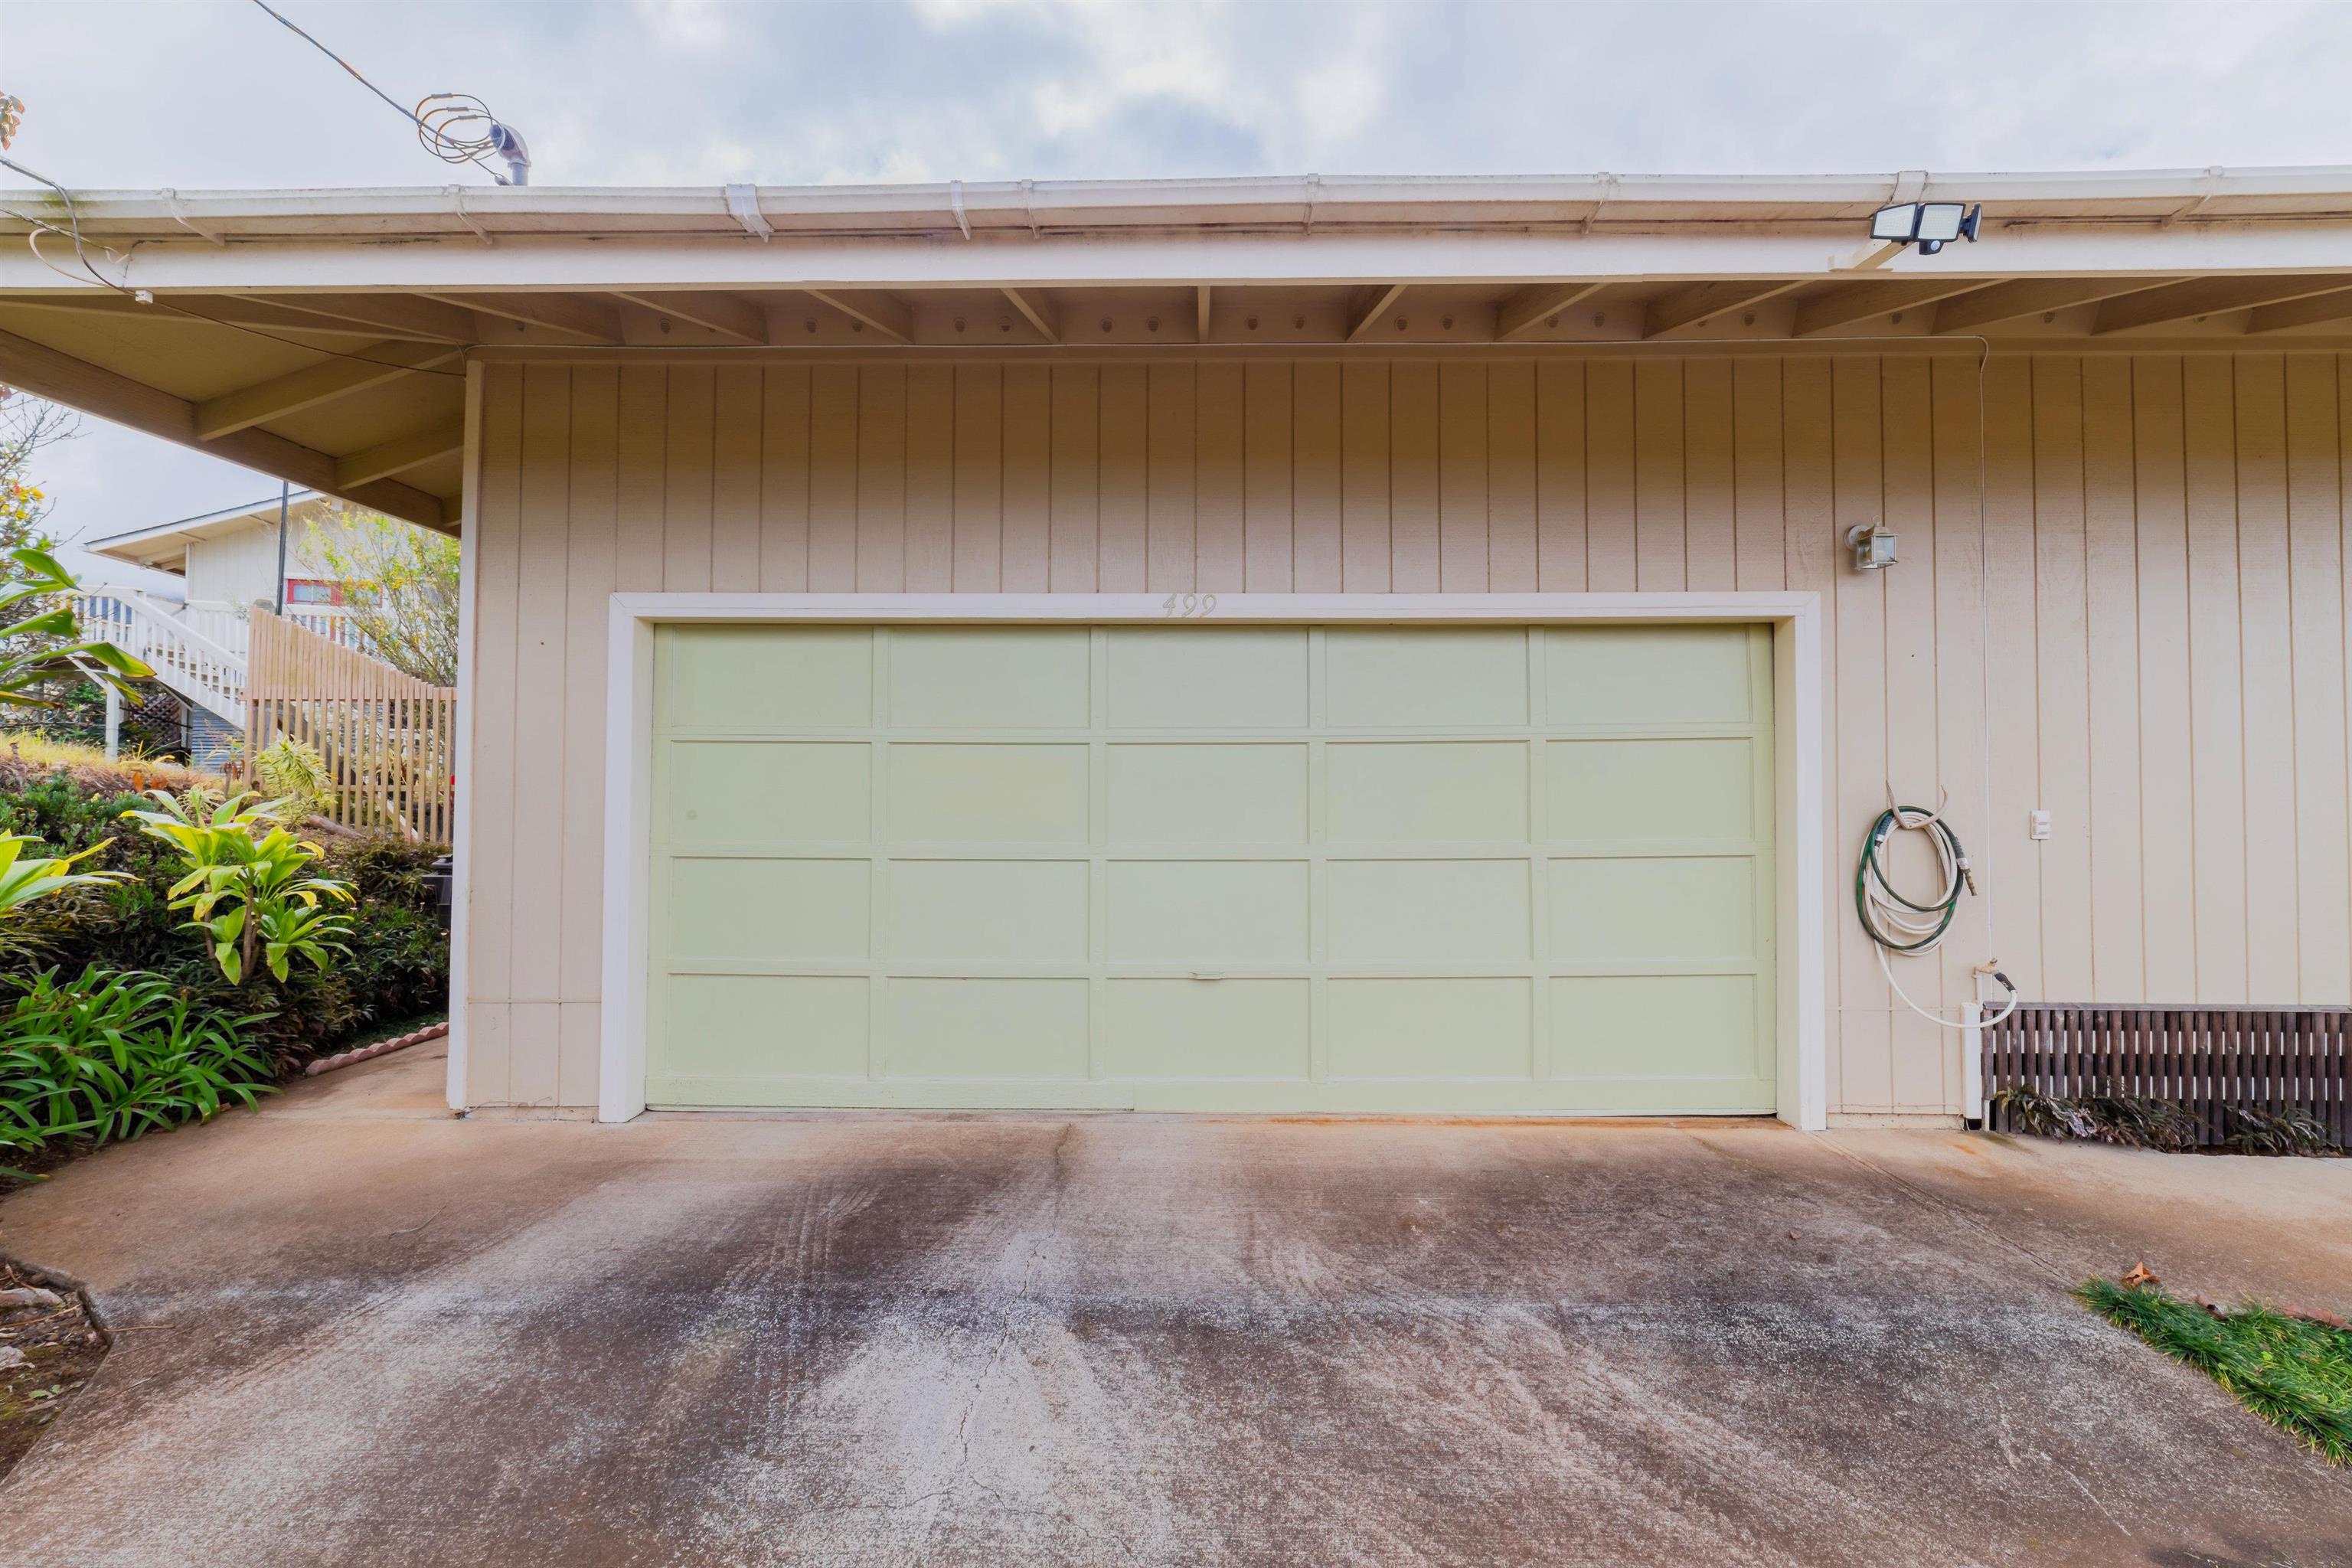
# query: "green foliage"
292 772
22 880
398 967
248 884
2292 1372
39 647
2254 1131
111 1055
2140 1122
400 589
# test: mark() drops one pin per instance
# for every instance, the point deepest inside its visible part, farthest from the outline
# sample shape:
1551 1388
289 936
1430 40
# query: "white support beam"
399 454
48 373
569 313
389 315
1374 305
1200 314
371 364
1697 302
1843 304
2318 310
1033 311
886 313
2209 297
725 314
2019 297
1522 311
224 310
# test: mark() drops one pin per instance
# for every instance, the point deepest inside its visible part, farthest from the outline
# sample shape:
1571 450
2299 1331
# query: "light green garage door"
1515 869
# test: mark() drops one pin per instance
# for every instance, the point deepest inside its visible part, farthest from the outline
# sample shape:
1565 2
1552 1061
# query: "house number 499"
1183 604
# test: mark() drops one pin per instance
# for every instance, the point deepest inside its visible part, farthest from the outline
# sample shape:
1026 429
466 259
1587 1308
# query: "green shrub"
398 967
111 1055
293 771
247 882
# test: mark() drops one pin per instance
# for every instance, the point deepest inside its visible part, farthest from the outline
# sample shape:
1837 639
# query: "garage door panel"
1654 909
736 1027
1649 676
1203 913
1658 1027
988 911
1679 790
1207 794
1207 679
769 909
983 1028
767 792
1450 1029
1446 678
763 679
1250 1029
987 793
1359 868
1428 912
1458 791
988 677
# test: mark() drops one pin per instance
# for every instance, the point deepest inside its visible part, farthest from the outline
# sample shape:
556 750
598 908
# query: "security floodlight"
1930 225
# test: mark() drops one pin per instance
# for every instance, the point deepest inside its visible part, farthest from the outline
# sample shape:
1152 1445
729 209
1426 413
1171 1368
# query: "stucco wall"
2166 658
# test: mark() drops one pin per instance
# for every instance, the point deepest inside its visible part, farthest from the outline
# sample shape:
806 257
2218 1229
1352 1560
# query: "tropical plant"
40 647
248 884
292 769
22 880
109 1056
400 589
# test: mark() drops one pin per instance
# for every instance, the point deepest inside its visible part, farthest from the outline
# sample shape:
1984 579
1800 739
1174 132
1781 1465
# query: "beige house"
1317 645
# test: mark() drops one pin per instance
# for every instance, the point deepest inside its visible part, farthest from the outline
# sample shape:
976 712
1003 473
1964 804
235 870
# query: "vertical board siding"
2162 635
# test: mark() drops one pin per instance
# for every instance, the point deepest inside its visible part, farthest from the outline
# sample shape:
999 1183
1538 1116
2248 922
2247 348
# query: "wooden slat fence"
2202 1059
389 739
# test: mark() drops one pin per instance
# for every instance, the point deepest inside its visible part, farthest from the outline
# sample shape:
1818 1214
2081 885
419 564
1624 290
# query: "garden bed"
49 1349
118 1016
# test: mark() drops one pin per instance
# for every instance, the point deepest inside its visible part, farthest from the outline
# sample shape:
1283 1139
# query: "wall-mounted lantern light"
1872 544
1930 225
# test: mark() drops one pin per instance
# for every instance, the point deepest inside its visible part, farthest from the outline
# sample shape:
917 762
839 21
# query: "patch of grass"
2292 1372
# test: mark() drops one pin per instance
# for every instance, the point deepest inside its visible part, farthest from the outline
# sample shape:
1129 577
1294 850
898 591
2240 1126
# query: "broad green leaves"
248 889
22 670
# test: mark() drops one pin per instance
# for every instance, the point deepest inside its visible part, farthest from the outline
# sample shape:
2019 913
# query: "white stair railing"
199 667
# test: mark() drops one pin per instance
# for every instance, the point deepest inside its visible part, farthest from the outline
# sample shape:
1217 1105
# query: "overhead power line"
446 122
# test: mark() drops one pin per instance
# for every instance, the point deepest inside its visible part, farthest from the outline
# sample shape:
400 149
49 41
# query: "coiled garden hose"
1899 924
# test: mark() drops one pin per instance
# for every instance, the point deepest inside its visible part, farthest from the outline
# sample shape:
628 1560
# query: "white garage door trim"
1797 719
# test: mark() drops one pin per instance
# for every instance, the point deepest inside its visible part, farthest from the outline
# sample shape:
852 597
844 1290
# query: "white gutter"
1292 204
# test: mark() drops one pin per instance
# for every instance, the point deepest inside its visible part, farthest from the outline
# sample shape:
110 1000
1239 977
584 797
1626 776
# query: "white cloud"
210 93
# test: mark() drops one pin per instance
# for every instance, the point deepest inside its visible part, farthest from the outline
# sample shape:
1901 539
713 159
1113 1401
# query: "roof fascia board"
1227 260
1333 201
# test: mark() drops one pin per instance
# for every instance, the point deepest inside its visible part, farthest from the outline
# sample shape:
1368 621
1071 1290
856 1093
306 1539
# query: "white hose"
1898 924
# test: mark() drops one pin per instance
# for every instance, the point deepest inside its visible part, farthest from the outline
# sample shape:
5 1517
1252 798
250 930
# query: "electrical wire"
36 227
448 149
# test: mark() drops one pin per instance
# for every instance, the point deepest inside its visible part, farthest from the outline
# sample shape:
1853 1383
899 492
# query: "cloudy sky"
199 94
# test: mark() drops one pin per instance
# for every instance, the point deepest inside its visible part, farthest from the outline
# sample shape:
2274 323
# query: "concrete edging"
382 1048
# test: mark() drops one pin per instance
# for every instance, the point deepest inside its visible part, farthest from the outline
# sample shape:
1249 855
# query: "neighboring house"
1314 645
229 563
229 558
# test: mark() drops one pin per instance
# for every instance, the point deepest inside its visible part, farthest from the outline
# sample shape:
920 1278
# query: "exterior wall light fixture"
1872 544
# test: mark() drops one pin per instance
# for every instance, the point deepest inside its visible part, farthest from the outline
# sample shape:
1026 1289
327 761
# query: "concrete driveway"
356 1330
